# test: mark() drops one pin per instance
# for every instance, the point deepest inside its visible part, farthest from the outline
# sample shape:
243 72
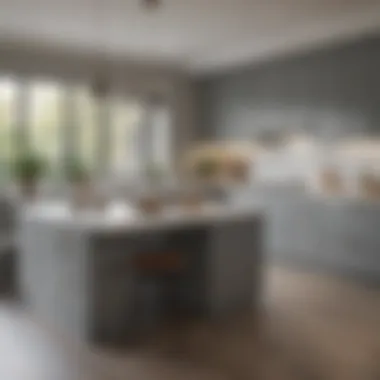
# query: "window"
8 92
86 127
115 135
152 138
46 120
126 119
161 139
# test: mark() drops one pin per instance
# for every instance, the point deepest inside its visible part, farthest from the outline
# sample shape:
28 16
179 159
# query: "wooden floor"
310 327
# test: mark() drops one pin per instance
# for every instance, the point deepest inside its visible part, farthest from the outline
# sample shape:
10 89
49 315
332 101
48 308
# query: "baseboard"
319 266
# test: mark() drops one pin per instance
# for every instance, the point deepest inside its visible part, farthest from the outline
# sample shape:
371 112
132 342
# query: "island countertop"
120 216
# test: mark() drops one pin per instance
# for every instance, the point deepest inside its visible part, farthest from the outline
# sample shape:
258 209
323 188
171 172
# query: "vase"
28 189
81 194
150 205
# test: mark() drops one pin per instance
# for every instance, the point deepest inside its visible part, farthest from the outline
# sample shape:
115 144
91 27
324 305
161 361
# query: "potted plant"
206 168
28 168
77 175
75 171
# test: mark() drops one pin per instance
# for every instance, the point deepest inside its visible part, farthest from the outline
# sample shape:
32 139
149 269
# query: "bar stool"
162 273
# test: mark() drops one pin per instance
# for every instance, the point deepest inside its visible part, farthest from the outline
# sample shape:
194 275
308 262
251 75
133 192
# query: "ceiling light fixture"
151 4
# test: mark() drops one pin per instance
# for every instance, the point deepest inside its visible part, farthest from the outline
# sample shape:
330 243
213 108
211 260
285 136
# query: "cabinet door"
296 230
234 265
111 284
360 239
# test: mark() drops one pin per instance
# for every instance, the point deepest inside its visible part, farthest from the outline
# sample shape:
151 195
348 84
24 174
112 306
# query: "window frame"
68 130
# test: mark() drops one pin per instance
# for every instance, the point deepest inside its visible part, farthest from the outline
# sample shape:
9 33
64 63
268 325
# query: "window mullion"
102 126
22 111
133 147
145 151
68 124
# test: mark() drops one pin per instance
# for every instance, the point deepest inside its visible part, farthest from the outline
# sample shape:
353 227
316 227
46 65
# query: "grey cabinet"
337 234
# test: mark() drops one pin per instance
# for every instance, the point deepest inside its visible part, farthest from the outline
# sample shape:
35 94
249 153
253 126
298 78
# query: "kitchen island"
76 268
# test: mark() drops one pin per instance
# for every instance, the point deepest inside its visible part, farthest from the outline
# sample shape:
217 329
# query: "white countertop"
120 216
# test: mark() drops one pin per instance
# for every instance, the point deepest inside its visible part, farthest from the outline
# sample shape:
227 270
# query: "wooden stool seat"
159 274
156 264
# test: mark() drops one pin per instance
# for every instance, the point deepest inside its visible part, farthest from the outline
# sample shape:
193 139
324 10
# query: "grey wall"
332 91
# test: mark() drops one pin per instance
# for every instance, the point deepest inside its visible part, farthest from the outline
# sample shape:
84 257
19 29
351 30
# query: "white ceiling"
201 35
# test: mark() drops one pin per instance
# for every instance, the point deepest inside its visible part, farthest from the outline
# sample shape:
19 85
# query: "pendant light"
100 84
151 4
